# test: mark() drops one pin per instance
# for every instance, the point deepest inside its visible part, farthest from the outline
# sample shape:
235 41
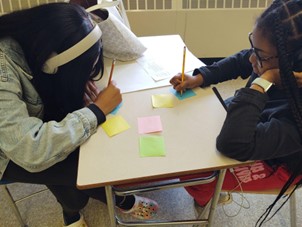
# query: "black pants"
61 181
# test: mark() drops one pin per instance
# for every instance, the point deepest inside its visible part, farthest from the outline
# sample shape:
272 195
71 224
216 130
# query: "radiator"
7 6
210 28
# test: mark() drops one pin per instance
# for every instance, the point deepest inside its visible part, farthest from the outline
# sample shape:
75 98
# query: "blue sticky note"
187 94
115 110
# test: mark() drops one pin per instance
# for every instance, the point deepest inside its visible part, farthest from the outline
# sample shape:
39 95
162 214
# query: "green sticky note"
151 146
115 125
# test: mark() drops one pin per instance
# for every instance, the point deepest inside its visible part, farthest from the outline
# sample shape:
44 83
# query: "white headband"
52 64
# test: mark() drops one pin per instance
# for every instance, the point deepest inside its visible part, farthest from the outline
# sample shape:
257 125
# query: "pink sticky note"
149 124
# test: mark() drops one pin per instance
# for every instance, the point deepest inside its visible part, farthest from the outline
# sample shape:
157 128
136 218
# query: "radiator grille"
7 6
132 5
148 4
204 4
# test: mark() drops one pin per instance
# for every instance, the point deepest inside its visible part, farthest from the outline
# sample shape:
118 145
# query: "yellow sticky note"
163 101
115 125
151 146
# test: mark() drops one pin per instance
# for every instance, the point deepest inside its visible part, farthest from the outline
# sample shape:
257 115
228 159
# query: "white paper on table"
153 69
163 52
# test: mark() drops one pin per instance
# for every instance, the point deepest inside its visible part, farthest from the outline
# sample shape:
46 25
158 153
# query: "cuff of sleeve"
195 72
98 113
251 96
203 71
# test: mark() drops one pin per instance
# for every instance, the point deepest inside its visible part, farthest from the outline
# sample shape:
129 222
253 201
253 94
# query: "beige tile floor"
43 210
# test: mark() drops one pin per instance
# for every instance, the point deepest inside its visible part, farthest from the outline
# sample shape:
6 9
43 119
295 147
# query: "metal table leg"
216 195
110 205
293 215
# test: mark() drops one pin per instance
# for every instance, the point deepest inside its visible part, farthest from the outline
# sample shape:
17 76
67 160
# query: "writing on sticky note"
149 124
187 94
163 101
115 125
151 146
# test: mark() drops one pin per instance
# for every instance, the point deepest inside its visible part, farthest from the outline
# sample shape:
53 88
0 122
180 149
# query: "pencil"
219 97
111 72
183 67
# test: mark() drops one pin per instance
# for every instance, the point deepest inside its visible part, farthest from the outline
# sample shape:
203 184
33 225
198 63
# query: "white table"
189 131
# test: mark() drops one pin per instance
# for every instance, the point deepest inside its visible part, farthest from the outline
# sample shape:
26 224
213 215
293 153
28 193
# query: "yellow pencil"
111 72
183 67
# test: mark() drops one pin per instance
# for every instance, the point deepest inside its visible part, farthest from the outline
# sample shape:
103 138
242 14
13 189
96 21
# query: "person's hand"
108 98
298 76
272 75
189 82
91 92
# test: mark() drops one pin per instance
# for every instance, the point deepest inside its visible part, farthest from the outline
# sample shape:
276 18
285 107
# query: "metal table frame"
111 191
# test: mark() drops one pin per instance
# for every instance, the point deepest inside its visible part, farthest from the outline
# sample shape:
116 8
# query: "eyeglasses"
260 60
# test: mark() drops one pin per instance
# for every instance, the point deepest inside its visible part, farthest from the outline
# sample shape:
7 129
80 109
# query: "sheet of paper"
115 125
154 69
167 51
151 146
149 124
163 101
161 61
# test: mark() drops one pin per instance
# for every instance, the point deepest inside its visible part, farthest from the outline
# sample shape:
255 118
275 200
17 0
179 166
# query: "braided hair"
286 36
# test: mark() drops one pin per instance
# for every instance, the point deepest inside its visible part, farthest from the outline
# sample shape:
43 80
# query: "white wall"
207 32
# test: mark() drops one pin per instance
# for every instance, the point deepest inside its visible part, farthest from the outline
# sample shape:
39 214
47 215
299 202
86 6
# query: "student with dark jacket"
264 119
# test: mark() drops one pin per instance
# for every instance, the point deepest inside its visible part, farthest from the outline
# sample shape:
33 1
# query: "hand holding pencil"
110 96
189 82
182 81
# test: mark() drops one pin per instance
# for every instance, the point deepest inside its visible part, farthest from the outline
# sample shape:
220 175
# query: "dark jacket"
258 126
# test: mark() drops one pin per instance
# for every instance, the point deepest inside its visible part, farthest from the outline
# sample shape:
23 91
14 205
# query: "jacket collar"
13 50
